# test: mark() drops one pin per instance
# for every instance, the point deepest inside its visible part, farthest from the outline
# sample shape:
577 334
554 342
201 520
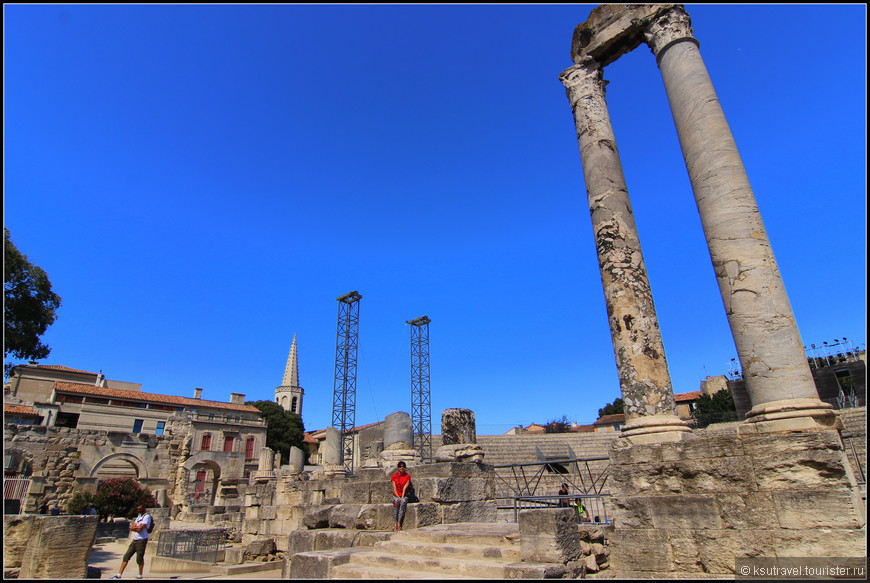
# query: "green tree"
560 425
121 497
79 501
613 408
29 306
716 408
283 428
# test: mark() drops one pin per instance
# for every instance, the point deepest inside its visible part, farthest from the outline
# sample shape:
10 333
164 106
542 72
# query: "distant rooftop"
149 397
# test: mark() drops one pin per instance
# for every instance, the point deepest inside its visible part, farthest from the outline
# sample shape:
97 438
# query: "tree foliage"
716 408
560 425
29 307
121 497
79 501
613 408
283 428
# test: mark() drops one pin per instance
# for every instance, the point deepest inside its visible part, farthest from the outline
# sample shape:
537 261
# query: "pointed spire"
291 372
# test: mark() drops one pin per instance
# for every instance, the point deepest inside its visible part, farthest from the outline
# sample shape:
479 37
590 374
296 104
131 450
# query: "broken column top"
458 426
613 30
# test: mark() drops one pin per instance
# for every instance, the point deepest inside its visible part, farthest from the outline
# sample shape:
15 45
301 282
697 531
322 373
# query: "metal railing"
517 486
523 480
191 545
592 511
849 441
16 489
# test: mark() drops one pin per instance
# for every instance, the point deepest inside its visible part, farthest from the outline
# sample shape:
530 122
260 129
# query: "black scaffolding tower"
421 403
344 393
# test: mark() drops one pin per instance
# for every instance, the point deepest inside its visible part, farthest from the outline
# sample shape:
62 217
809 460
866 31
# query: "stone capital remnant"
458 437
762 323
668 27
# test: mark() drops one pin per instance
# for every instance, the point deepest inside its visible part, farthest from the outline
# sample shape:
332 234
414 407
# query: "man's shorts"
138 547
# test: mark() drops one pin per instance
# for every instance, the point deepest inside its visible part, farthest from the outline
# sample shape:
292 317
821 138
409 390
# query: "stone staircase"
446 551
514 449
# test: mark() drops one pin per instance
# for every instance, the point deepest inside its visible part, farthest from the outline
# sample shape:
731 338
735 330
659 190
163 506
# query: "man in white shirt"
140 540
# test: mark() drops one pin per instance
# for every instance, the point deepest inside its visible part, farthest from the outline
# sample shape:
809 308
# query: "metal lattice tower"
344 394
421 403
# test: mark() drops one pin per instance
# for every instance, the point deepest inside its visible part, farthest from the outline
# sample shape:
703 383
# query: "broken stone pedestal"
694 506
459 437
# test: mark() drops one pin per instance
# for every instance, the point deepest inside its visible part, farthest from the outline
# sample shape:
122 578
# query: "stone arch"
203 476
138 465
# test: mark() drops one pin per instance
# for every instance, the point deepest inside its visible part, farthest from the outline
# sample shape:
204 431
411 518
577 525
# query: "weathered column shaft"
637 343
758 310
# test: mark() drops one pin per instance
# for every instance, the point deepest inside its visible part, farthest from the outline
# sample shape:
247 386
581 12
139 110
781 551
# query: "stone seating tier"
456 551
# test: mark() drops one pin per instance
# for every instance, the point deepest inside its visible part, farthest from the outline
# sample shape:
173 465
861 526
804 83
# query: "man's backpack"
151 526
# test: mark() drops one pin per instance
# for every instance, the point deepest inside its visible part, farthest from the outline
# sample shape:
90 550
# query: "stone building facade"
71 428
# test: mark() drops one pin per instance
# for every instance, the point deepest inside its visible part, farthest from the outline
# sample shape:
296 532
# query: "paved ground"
107 557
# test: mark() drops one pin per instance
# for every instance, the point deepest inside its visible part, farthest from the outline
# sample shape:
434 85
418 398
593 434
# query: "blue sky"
202 182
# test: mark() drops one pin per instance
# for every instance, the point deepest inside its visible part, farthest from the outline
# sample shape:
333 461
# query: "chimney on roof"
197 393
237 398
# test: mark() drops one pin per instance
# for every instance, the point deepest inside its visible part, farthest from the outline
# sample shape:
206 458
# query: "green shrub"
79 501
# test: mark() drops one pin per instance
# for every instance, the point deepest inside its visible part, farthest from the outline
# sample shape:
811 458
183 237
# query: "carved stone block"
344 515
684 512
317 517
476 511
810 509
356 492
549 535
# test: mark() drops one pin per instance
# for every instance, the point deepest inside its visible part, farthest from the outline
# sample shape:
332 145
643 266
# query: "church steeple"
291 371
289 394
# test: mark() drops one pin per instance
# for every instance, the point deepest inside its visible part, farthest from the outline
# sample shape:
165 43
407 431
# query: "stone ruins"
686 503
683 502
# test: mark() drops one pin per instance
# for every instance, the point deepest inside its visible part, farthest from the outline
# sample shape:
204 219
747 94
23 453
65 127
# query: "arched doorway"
202 487
121 465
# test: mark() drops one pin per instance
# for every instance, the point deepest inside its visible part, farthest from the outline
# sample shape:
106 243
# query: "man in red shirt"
401 481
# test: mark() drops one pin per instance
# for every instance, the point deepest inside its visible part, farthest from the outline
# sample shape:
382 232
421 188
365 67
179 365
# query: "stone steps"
436 566
512 449
444 551
348 571
463 551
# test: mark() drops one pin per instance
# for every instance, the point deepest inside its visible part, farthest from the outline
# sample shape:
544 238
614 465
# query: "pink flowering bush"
121 497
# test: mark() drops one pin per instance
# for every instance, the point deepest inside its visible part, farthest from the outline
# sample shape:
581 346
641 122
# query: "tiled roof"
62 368
18 410
606 419
690 396
149 397
583 429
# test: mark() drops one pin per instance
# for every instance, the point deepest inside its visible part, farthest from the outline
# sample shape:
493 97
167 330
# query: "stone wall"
47 547
695 506
448 493
65 459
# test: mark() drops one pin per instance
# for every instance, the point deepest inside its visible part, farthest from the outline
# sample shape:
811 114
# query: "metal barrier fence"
14 494
584 475
593 510
850 445
191 545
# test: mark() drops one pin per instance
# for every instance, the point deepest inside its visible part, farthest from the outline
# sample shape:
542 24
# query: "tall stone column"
768 344
650 409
